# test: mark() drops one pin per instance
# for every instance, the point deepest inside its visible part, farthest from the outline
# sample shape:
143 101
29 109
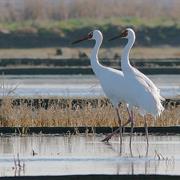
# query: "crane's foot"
106 139
110 135
116 131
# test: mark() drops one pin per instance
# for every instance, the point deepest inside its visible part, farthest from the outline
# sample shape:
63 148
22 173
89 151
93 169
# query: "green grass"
72 24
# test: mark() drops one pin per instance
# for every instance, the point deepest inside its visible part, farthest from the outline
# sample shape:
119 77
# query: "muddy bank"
30 66
76 130
146 36
95 177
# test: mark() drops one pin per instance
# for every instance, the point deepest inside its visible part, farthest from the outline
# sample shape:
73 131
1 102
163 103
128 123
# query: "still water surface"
75 85
86 154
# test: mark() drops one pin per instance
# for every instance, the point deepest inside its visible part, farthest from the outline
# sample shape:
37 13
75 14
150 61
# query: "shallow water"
75 85
86 154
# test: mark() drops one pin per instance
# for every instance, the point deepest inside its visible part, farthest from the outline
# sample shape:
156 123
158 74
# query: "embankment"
30 66
146 36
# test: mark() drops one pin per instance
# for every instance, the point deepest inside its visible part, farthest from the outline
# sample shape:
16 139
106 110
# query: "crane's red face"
88 37
123 34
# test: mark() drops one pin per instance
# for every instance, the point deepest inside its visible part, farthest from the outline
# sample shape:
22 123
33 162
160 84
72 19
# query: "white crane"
111 80
141 92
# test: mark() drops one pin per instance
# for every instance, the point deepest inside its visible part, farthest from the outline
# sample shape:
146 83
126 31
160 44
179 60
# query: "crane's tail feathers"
160 107
162 98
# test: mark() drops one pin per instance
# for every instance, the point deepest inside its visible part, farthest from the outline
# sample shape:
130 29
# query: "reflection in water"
19 166
86 154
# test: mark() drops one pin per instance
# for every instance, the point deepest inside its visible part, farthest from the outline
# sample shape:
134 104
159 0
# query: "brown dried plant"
68 115
61 9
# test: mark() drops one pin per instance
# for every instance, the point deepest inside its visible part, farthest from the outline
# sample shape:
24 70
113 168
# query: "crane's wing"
150 86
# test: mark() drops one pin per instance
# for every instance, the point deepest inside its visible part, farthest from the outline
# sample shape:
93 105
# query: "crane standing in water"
111 80
141 92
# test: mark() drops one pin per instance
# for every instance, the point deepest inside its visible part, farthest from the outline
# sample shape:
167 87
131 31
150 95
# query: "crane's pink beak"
82 39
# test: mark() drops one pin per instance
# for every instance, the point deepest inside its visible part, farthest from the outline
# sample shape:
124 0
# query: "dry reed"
60 9
86 114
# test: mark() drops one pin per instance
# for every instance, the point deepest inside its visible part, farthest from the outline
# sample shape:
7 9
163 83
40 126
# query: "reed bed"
68 115
20 10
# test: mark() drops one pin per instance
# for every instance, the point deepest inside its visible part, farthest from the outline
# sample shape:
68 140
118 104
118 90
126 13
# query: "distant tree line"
22 10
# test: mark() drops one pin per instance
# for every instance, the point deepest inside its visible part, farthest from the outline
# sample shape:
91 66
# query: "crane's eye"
90 35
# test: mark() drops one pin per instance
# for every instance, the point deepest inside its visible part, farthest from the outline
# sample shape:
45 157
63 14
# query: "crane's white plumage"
141 91
111 80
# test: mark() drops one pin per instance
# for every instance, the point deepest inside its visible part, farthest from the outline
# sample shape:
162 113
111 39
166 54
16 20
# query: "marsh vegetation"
64 113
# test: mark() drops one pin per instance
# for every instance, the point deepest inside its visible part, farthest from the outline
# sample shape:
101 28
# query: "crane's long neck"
125 64
96 66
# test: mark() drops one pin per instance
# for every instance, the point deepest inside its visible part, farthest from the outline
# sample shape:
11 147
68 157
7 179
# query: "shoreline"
16 131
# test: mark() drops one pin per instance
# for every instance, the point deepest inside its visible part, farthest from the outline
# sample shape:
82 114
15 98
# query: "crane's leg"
106 139
129 119
146 131
132 126
120 129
